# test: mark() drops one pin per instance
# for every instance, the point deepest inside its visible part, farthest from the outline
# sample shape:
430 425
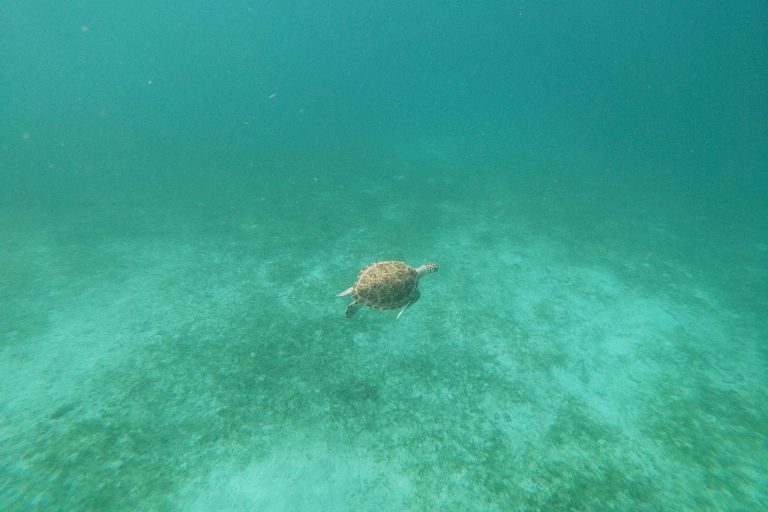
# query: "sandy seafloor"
172 342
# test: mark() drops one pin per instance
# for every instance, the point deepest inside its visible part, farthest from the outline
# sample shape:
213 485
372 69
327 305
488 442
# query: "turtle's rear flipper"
345 292
352 309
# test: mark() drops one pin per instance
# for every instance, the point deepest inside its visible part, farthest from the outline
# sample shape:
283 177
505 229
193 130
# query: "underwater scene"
221 226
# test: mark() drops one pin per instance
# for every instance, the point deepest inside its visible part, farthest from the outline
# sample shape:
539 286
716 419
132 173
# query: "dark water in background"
185 185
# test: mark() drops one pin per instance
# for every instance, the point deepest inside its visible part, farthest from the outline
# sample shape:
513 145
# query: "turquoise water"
185 186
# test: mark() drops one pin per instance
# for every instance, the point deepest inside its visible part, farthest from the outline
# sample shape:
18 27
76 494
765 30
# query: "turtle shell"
386 285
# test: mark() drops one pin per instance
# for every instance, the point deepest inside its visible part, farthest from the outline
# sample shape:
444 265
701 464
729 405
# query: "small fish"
64 409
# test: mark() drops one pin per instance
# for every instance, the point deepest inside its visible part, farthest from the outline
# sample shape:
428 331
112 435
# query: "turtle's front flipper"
410 303
352 309
345 292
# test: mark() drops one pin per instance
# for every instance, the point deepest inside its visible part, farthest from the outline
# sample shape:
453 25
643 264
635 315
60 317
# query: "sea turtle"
386 285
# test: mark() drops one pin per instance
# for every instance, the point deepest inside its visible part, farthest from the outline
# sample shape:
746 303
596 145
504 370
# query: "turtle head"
427 268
